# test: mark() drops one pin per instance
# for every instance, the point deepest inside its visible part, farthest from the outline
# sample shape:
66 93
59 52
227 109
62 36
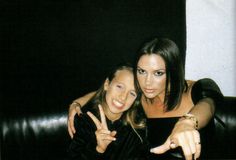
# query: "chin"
150 96
116 110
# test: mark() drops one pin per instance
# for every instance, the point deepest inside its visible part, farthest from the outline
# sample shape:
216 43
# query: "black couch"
44 135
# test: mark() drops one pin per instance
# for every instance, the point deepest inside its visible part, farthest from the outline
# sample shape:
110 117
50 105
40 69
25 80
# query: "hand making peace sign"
103 134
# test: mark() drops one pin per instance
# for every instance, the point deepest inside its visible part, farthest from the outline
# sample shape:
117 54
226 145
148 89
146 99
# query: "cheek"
160 83
108 97
141 80
129 102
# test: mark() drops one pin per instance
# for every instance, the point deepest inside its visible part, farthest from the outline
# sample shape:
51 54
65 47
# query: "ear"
106 84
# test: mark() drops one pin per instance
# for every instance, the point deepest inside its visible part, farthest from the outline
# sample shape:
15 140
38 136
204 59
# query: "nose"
148 79
123 96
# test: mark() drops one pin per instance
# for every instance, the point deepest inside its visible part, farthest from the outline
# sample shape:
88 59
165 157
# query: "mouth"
146 90
118 104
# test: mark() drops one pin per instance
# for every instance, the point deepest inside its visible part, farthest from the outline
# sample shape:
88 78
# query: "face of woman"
120 93
151 74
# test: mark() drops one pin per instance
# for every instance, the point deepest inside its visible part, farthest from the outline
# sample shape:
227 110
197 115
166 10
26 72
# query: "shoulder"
204 88
190 84
204 83
83 121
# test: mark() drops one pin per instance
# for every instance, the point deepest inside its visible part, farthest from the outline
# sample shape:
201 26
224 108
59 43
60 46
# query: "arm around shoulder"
84 99
206 95
75 108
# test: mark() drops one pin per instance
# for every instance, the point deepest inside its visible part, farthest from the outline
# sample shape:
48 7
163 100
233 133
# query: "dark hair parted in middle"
175 74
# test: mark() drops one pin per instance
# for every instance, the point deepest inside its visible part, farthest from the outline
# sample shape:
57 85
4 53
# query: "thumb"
162 148
113 133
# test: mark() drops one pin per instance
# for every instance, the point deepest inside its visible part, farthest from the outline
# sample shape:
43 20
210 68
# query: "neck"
111 116
153 106
159 99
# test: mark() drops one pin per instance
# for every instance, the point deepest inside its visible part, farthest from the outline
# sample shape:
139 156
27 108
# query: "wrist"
76 104
190 119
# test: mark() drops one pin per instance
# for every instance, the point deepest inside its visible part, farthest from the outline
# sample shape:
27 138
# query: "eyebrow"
154 70
125 85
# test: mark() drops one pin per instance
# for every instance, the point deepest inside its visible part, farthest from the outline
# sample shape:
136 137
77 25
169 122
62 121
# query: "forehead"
125 77
153 60
123 74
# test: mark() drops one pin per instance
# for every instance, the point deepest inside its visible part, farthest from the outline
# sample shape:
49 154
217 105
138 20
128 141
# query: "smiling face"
151 75
120 94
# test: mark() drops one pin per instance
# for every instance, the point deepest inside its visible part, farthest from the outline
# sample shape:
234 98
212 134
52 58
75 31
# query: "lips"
118 104
146 90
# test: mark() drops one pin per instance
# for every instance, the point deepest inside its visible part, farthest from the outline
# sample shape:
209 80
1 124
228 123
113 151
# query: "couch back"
44 136
223 142
34 137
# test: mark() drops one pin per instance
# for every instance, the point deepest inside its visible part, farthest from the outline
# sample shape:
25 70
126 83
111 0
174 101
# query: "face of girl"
151 74
120 93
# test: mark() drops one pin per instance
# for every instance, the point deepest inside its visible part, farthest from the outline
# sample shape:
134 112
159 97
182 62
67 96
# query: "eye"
159 73
140 71
133 94
119 86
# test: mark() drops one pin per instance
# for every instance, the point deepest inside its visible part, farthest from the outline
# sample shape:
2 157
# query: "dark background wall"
55 51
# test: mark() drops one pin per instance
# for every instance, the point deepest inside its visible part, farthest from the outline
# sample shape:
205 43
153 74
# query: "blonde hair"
134 115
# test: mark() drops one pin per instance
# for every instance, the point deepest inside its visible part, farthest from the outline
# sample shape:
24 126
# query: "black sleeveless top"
158 129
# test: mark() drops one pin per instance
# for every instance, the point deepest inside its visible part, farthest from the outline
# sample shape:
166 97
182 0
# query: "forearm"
83 100
206 95
203 110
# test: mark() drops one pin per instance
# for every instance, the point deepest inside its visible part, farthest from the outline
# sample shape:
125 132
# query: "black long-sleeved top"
127 146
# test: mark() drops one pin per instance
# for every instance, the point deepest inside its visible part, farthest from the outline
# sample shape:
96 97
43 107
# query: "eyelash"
140 71
133 94
158 73
119 86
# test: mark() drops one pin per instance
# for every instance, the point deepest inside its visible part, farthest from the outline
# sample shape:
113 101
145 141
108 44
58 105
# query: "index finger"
162 148
103 118
95 120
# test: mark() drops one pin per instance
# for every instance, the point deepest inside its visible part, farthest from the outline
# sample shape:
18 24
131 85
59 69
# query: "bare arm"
83 100
206 95
74 108
204 110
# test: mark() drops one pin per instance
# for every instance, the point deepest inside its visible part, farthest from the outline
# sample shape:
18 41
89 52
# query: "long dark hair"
175 74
